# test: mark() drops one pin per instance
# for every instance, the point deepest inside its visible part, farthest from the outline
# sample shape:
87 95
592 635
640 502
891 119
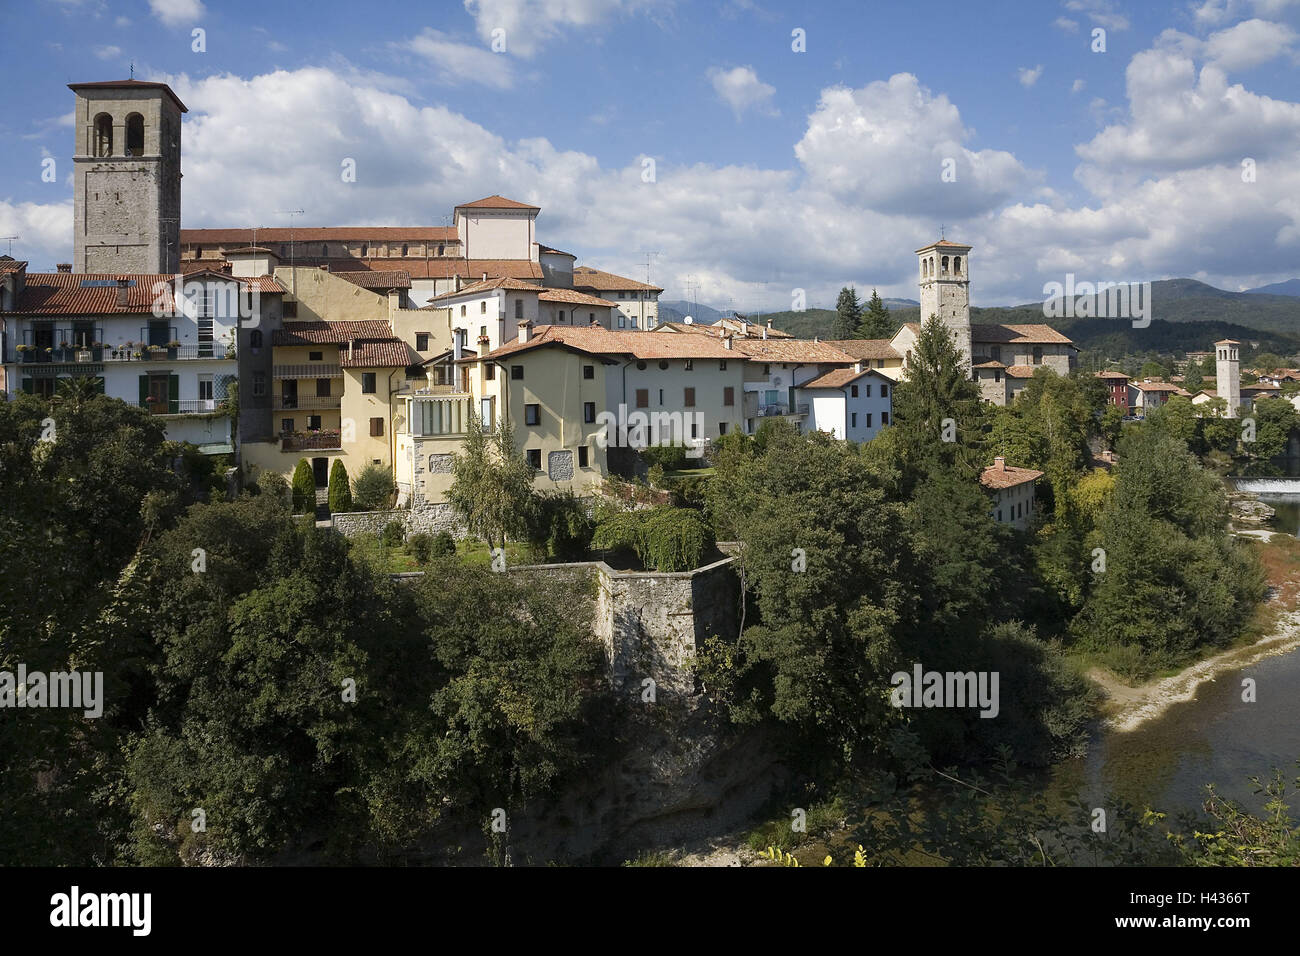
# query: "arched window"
255 338
102 137
440 248
198 252
324 249
365 248
1038 355
945 265
135 135
404 248
956 265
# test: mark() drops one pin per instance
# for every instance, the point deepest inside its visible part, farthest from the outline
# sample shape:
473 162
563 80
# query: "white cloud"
1028 76
529 25
108 52
1249 43
1101 12
1066 24
1211 13
177 13
122 22
1077 86
45 230
458 63
742 90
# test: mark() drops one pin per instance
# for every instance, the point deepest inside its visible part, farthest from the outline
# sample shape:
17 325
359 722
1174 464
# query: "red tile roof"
553 252
389 354
1116 375
585 277
575 297
1017 334
840 377
866 348
330 333
65 293
500 282
638 345
12 265
1023 371
131 84
378 280
996 478
245 237
496 202
800 351
943 244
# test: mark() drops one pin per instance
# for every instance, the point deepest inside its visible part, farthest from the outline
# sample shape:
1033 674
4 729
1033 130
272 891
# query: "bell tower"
127 174
1227 367
945 289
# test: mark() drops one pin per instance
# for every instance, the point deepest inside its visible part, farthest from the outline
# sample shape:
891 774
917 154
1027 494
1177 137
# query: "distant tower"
945 289
127 168
1228 374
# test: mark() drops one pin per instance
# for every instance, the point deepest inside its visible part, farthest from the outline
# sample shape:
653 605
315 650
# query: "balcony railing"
312 441
190 406
290 403
123 353
311 370
770 411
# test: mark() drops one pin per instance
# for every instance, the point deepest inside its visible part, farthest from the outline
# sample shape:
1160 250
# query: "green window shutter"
144 391
173 393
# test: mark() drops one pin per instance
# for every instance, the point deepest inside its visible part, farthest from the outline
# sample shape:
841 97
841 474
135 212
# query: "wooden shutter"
173 393
376 428
144 391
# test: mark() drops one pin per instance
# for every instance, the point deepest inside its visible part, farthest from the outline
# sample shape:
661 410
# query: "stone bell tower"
127 172
945 289
1227 367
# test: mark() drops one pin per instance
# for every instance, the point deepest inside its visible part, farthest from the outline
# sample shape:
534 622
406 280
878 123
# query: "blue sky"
774 170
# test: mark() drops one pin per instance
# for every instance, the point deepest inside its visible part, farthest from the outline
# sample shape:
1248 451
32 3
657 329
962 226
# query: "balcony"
312 441
310 370
283 403
194 406
774 411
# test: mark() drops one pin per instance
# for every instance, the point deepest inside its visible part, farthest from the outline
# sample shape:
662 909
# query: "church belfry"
945 289
127 173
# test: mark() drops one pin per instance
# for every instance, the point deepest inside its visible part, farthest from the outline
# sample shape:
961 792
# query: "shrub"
444 544
668 457
304 488
275 485
373 489
559 526
340 491
656 476
392 534
421 547
665 539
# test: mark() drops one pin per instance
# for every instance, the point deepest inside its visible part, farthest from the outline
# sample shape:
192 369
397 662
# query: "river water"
1217 738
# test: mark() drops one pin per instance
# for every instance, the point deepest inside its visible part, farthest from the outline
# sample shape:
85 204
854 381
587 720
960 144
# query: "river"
1215 738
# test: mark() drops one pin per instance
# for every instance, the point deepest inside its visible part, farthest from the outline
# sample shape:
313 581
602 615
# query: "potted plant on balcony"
152 352
172 346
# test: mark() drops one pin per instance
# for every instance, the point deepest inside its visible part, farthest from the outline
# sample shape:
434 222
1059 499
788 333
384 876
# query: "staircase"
322 504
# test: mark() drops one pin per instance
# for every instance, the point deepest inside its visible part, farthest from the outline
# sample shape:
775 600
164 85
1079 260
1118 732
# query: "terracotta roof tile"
399 279
390 354
866 348
66 293
801 351
1114 375
330 333
575 297
1023 371
12 265
245 237
638 345
839 377
131 84
1018 334
585 277
996 478
496 202
500 282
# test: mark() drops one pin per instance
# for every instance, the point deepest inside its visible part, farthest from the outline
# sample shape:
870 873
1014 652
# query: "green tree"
492 484
304 487
847 314
340 490
1275 419
875 322
373 489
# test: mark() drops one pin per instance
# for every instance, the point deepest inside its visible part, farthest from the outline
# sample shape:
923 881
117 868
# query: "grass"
690 473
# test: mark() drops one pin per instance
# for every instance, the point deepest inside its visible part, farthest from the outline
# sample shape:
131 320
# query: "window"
767 370
286 426
884 391
728 395
999 514
535 459
995 353
315 356
532 414
695 430
102 138
205 388
255 338
640 366
517 373
722 365
853 390
690 398
489 372
422 341
482 307
884 418
591 317
663 365
588 412
622 295
259 383
519 308
440 249
853 419
313 423
368 383
690 365
643 398
404 248
462 311
722 428
582 456
482 331
322 388
997 375
661 396
589 371
622 322
376 428
1038 355
561 315
135 135
868 414
324 250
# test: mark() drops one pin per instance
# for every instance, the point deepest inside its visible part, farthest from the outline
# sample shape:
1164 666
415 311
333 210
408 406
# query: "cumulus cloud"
1066 24
1028 76
108 52
1077 86
742 90
1249 43
1104 13
177 13
529 25
457 63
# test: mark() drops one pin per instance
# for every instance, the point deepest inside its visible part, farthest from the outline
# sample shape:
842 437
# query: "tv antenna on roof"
10 240
133 69
293 275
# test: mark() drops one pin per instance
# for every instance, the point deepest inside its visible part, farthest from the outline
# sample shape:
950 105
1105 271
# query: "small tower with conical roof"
1228 374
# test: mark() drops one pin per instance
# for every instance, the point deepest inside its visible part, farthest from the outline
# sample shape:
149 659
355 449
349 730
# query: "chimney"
122 286
484 279
394 301
765 332
857 367
352 344
726 341
64 267
525 330
594 323
458 344
1000 463
769 323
